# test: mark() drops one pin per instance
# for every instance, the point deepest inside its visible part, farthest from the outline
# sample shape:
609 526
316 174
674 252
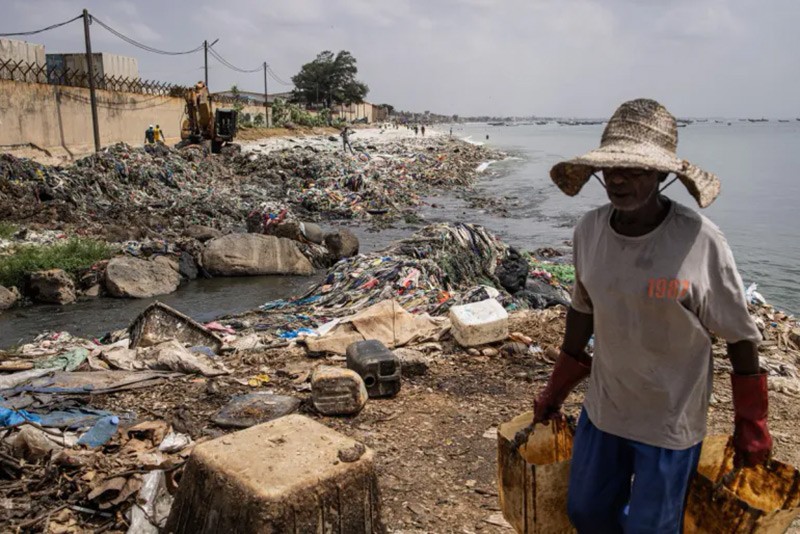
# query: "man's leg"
660 482
599 479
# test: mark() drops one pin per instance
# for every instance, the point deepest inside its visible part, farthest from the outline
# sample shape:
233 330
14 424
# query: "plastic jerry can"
377 365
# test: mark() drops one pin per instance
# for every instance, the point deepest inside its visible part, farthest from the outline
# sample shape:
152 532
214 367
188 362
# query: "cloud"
550 57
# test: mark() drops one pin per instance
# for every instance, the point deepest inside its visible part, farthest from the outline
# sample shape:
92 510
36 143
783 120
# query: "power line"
34 32
276 77
143 46
230 65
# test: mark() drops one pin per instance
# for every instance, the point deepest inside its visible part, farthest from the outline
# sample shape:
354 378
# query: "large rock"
187 267
254 254
53 287
201 233
127 276
7 298
342 243
313 232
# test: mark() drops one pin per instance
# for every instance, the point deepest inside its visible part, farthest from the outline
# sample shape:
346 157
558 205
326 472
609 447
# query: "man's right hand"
568 372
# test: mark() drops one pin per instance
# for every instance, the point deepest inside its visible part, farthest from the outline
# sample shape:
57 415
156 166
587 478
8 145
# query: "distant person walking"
346 140
149 135
422 128
451 131
416 130
158 135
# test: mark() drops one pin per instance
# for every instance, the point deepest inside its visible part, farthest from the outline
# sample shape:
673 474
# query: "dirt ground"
435 441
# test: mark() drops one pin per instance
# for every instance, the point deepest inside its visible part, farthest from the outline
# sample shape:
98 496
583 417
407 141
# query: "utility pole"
205 54
266 97
90 68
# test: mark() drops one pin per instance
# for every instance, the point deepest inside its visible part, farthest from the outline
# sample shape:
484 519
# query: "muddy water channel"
203 300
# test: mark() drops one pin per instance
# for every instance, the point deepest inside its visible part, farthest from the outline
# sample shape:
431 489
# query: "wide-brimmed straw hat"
641 134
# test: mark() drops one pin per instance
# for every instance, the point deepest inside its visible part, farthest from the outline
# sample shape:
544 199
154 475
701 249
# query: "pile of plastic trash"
129 186
422 273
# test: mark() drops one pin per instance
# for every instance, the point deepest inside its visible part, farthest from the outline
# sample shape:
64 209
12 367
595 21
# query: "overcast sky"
735 58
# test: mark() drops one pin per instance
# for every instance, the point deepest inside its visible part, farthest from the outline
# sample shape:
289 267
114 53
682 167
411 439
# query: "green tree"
389 108
329 79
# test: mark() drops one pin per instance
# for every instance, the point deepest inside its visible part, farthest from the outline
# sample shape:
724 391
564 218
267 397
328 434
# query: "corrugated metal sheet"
103 64
120 66
22 51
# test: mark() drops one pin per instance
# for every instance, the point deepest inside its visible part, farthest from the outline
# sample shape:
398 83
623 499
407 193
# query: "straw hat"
641 134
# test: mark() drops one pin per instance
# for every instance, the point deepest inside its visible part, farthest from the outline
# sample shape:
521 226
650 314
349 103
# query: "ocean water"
757 210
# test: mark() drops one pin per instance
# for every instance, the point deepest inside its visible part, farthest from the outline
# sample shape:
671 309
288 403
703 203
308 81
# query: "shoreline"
434 443
394 153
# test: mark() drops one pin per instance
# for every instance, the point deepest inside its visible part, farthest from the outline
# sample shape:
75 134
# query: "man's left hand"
751 439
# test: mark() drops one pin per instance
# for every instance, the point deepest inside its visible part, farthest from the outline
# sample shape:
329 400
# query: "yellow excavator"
204 125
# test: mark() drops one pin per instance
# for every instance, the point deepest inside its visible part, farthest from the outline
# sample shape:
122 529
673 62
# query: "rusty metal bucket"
533 478
763 500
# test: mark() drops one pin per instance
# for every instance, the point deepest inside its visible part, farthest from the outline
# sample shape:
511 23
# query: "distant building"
361 112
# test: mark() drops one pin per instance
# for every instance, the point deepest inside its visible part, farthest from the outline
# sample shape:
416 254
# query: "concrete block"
479 323
289 475
337 391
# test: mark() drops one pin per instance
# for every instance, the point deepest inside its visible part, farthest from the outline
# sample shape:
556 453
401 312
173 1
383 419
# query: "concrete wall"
59 119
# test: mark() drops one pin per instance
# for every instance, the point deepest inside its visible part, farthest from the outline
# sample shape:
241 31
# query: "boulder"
7 298
172 263
201 233
342 243
254 254
53 286
187 267
127 276
312 232
288 229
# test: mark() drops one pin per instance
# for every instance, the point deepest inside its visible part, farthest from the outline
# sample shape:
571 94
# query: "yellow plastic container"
762 500
533 479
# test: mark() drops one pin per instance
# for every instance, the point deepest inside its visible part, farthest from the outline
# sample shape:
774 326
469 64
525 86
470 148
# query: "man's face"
630 189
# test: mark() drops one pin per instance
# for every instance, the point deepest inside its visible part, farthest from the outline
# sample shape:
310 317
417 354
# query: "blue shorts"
617 485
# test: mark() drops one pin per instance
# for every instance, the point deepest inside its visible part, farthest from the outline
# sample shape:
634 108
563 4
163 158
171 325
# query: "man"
149 135
652 278
345 133
158 135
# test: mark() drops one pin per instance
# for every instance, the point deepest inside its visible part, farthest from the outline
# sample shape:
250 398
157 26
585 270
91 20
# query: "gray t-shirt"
654 298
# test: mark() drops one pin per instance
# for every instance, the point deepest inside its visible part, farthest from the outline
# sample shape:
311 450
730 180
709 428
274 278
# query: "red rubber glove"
751 440
568 372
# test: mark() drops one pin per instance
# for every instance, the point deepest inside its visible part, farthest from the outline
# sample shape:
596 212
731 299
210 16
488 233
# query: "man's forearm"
580 327
744 357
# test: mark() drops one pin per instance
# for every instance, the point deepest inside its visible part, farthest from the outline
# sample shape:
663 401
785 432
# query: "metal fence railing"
23 71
